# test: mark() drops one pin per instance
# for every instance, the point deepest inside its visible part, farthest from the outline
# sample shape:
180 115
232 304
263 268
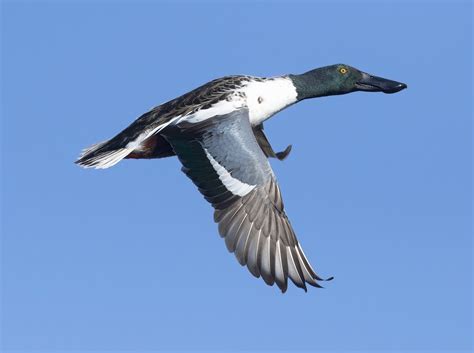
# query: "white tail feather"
108 158
92 148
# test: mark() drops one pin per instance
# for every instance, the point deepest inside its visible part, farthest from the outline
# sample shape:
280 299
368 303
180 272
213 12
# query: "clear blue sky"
378 187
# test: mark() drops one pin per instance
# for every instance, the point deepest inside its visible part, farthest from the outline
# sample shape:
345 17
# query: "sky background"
378 187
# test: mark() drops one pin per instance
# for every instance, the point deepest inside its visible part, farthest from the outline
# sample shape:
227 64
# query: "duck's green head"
340 79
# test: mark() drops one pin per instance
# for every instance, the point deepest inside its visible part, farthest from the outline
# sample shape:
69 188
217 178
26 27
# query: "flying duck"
216 131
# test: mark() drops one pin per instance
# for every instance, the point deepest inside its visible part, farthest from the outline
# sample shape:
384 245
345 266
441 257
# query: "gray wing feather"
254 225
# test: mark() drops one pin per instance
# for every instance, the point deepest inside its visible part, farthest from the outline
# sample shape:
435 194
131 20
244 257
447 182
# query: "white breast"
268 97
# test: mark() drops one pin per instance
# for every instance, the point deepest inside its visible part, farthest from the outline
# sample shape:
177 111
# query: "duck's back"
142 139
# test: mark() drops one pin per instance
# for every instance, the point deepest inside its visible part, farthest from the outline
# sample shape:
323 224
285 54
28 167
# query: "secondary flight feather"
216 131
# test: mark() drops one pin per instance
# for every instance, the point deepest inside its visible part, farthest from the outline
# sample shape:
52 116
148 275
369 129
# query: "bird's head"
341 79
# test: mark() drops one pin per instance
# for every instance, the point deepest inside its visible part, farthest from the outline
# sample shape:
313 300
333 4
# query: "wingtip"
317 285
326 280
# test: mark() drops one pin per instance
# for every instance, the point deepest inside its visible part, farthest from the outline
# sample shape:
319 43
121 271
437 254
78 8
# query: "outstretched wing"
222 157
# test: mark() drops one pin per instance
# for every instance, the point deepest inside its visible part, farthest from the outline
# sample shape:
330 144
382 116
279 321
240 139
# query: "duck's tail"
103 155
138 141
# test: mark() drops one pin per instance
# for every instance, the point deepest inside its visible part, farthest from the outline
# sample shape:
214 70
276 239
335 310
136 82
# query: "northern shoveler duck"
216 131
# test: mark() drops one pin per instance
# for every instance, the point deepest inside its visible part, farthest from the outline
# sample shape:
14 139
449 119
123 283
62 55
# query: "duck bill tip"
369 83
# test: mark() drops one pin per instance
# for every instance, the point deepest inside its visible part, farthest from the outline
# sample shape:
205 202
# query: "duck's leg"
266 147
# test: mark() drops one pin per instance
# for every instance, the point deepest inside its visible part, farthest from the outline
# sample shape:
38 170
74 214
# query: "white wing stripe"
232 184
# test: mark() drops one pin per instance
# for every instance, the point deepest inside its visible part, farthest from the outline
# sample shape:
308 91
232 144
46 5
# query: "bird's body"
262 96
216 131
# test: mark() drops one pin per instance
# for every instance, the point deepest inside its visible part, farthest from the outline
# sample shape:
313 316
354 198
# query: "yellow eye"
343 70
